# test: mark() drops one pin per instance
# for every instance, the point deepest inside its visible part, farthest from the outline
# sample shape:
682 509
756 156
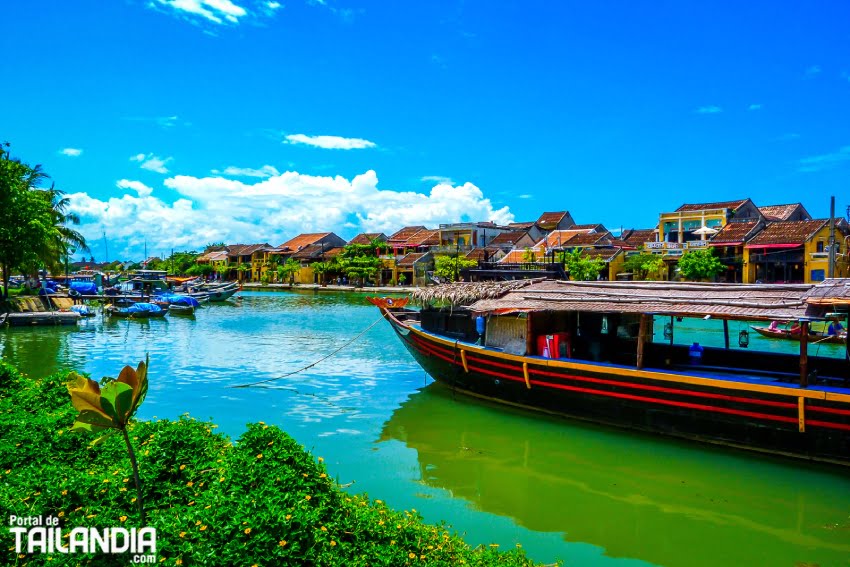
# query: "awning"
753 246
725 243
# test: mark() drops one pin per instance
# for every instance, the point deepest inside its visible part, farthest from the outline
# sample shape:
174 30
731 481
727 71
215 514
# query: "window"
819 246
818 275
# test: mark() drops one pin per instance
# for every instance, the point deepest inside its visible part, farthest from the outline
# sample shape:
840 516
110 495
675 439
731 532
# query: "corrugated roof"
734 205
214 256
402 235
303 240
479 253
779 212
311 252
597 227
605 254
521 225
245 249
787 232
557 237
735 232
586 239
368 237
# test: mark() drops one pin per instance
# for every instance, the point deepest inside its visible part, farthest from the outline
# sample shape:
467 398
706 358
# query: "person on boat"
835 328
774 326
795 328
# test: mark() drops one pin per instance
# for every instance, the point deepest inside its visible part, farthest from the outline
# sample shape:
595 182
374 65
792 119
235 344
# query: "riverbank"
337 288
263 500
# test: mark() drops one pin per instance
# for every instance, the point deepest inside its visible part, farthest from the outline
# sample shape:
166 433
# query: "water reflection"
660 501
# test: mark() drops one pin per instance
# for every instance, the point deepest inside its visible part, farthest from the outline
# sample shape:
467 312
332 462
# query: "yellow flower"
247 531
381 523
307 497
282 543
271 443
378 502
190 484
321 460
178 562
324 529
192 503
126 480
288 516
260 456
197 522
203 528
60 514
333 543
304 474
123 518
323 475
182 534
411 555
182 467
64 493
392 542
221 479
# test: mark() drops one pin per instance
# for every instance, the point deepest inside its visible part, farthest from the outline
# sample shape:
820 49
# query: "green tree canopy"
644 266
449 267
699 265
581 267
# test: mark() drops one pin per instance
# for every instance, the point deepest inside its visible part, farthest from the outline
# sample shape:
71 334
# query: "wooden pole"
804 354
726 333
529 338
641 339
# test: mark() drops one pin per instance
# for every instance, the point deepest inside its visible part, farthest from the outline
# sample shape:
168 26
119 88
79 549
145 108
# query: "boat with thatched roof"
586 350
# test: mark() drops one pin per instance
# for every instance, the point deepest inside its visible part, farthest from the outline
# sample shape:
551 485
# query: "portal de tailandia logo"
43 534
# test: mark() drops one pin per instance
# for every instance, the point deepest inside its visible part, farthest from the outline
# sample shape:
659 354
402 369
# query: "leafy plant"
402 279
528 256
449 267
580 267
699 265
111 407
288 269
644 266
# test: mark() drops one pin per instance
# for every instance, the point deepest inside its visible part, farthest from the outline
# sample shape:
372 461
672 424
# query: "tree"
529 256
223 269
581 267
700 265
199 270
449 267
322 268
288 269
33 231
644 266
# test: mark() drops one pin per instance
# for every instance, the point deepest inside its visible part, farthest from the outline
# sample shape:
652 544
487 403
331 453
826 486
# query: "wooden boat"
136 311
585 350
176 309
215 291
787 334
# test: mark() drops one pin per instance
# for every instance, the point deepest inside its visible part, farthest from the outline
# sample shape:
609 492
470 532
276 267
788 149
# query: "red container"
556 345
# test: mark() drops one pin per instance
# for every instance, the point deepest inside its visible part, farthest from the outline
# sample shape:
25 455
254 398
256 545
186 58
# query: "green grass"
260 501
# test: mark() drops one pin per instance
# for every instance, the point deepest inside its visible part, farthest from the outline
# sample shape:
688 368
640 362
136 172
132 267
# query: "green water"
588 495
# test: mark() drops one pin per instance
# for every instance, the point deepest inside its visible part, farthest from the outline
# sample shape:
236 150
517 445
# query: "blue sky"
183 122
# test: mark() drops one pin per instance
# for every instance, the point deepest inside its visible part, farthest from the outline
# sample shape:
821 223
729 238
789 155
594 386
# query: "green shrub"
263 500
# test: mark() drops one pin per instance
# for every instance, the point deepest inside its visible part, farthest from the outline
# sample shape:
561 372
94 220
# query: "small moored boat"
137 311
790 335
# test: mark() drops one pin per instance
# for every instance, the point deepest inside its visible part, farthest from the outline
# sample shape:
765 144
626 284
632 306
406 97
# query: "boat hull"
789 336
785 420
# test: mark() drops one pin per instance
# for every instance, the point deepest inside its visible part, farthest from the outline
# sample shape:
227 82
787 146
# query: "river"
592 496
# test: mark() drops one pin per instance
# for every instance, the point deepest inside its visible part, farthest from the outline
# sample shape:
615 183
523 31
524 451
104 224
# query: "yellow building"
698 221
795 251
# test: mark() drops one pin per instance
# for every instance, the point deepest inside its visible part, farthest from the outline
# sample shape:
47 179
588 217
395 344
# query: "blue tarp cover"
175 299
144 308
85 288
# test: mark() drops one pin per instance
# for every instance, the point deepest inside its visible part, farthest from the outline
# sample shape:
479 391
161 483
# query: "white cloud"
754 107
824 161
273 5
437 179
330 142
139 187
212 209
263 172
216 11
152 162
71 152
525 196
709 109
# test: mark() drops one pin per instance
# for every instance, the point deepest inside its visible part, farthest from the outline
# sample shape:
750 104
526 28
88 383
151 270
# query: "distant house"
728 245
368 238
415 267
689 222
637 237
548 222
795 251
309 248
398 239
467 235
513 239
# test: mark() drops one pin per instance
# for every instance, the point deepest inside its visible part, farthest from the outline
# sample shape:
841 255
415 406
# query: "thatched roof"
722 301
463 293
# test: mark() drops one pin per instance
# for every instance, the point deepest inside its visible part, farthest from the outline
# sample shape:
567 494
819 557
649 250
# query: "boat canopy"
762 302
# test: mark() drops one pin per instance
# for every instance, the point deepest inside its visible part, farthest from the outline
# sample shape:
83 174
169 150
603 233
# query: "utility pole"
831 265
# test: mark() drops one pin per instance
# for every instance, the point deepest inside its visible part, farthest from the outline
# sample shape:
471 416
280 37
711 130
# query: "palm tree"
63 238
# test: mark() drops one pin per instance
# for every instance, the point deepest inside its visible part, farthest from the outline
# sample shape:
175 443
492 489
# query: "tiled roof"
311 252
426 237
586 227
508 237
478 253
734 205
245 249
606 254
303 240
517 257
213 256
735 232
637 236
557 237
410 259
521 225
333 252
404 234
779 212
368 237
787 232
587 239
548 221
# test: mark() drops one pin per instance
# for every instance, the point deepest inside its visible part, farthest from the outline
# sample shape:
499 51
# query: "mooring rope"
302 369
